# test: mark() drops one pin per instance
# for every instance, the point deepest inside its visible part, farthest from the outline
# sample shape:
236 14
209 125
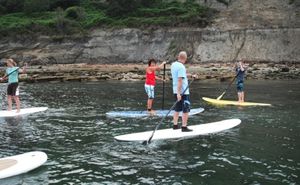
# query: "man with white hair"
180 83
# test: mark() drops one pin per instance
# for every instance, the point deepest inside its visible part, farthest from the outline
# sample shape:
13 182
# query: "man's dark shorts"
183 105
12 89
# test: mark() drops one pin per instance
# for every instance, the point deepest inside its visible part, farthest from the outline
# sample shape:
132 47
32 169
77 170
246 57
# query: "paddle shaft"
158 125
163 99
11 72
227 87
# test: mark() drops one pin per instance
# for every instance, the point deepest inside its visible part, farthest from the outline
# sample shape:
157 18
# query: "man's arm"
179 87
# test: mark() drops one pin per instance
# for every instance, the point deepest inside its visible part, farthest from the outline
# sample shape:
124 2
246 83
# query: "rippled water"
78 137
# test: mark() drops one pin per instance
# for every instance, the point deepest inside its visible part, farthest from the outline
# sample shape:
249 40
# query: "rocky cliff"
132 45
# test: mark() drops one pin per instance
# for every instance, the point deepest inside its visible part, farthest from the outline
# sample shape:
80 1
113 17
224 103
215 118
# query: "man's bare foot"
18 111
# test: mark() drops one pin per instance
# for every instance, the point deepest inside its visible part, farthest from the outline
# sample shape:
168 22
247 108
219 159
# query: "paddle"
157 126
163 99
11 72
227 87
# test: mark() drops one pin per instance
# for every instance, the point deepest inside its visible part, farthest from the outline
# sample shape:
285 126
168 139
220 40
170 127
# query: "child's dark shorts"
240 86
13 89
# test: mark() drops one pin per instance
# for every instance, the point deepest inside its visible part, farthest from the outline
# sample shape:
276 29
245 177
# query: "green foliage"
149 3
75 12
94 18
12 6
31 6
121 8
2 10
64 4
86 14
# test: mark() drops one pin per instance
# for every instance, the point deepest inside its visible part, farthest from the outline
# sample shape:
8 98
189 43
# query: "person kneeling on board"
12 73
240 72
181 91
150 82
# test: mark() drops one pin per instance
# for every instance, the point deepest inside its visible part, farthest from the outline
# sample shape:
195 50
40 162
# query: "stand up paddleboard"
18 164
228 102
22 111
158 113
165 134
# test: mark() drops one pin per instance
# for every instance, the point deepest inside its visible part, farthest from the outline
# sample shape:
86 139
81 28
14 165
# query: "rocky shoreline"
135 72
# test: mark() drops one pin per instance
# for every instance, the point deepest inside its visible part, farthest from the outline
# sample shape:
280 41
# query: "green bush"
74 15
75 12
120 8
64 25
31 6
149 3
2 10
64 4
12 6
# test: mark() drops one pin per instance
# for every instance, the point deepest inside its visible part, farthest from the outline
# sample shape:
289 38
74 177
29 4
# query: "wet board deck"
13 113
18 164
229 102
166 134
158 113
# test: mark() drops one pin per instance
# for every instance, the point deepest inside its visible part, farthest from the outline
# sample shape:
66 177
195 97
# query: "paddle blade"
145 142
221 96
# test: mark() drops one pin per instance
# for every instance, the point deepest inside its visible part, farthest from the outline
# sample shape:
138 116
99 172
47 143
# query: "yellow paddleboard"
229 102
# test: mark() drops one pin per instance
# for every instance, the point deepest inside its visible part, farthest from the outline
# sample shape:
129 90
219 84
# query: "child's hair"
11 61
150 61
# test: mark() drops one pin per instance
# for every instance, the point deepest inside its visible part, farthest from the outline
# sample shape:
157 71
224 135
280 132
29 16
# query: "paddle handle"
163 95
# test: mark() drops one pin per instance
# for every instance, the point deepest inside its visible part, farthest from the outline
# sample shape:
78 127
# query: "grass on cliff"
92 14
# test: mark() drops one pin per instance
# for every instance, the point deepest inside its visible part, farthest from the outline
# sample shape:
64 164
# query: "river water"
78 137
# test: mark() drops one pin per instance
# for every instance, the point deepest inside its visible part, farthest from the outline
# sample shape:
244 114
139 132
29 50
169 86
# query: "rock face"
257 31
133 45
249 14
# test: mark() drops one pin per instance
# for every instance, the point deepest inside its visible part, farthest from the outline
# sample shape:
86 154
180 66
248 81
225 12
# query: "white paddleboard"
13 113
165 134
18 164
158 113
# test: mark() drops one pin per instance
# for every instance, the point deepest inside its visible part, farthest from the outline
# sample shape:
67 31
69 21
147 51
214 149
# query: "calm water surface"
78 137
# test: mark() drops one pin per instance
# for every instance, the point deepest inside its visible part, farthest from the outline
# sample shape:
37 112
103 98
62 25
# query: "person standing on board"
180 83
240 72
151 81
12 73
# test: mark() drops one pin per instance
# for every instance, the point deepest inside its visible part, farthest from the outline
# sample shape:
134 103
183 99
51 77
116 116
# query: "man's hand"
195 76
178 97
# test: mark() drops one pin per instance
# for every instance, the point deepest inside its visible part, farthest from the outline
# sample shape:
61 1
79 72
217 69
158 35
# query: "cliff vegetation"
78 16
